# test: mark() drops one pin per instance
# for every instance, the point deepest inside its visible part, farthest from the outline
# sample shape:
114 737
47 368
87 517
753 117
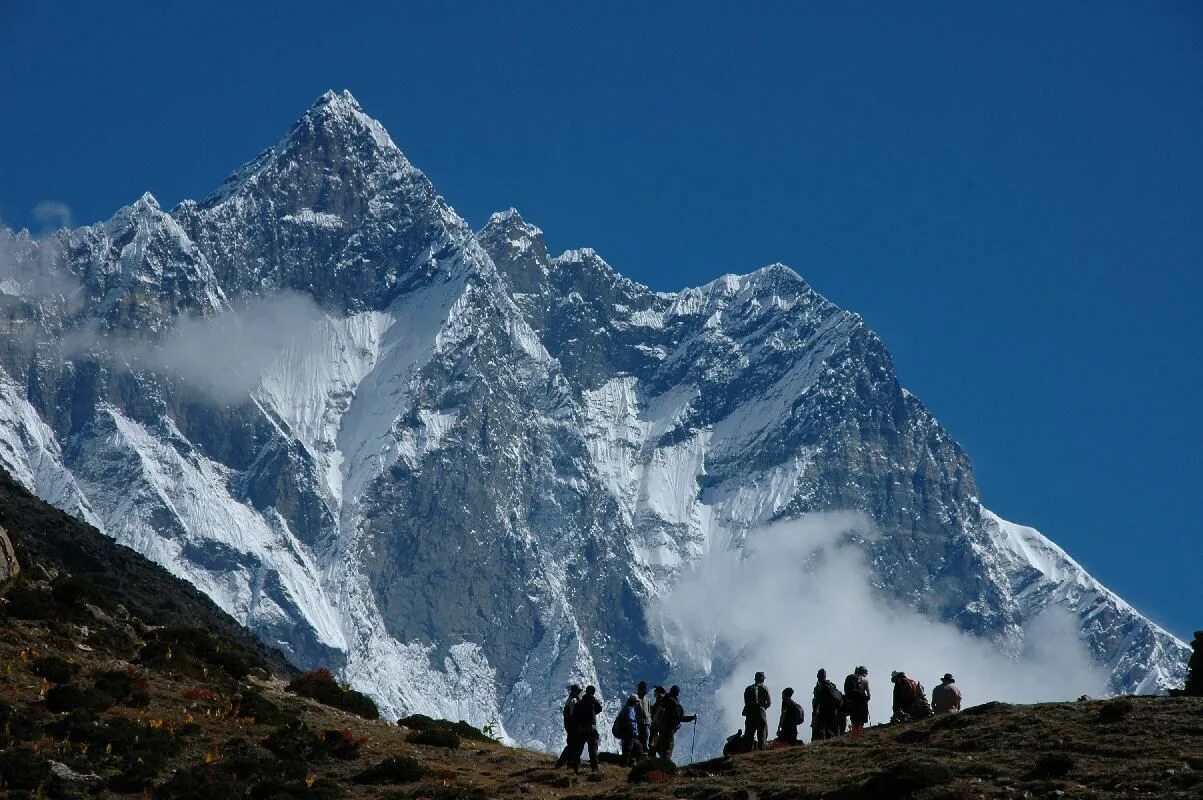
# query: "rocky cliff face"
464 478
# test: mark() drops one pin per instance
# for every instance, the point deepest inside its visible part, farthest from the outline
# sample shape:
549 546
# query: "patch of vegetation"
320 685
902 780
421 722
74 591
54 669
296 744
250 703
396 769
652 770
26 602
69 697
439 793
434 737
1051 766
22 769
319 789
16 725
193 651
128 686
141 749
1115 710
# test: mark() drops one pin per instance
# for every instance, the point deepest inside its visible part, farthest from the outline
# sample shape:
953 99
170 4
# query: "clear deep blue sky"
1011 196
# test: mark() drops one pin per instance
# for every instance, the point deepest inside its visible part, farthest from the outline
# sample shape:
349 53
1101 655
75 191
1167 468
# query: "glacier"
465 480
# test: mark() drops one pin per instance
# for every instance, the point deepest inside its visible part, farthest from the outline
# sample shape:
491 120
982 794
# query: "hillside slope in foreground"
118 679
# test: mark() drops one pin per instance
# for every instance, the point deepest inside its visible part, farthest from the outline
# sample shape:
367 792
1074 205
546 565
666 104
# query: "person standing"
946 698
856 697
792 716
626 730
672 714
643 715
757 701
574 693
825 708
653 747
584 722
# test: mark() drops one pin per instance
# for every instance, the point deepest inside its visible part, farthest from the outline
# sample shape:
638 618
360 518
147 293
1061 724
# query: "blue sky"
1011 195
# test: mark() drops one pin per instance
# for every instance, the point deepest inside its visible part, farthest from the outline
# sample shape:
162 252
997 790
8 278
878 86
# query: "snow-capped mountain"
462 480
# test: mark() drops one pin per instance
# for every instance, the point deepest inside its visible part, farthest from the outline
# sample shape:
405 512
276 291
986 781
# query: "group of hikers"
644 727
648 726
832 710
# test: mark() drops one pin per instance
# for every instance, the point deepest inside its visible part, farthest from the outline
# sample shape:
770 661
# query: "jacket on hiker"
569 705
627 723
584 715
757 701
643 711
792 716
827 702
945 698
671 715
856 697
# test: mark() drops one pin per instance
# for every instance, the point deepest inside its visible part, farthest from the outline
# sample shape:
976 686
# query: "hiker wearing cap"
574 693
910 698
671 717
856 698
643 714
653 747
584 724
792 716
757 701
826 708
946 698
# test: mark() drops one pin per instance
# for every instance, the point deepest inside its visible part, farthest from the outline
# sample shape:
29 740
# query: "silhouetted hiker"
856 698
653 747
574 693
910 700
671 717
946 698
643 715
584 723
825 708
1194 668
626 731
792 716
756 712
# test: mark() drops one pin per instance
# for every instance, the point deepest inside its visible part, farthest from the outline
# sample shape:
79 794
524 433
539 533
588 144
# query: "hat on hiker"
759 677
896 674
948 678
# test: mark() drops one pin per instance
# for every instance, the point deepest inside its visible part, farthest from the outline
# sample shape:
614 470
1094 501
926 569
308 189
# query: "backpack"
831 699
797 715
619 729
920 708
853 688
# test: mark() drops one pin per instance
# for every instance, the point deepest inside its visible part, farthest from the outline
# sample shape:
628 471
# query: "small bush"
251 704
1050 766
25 602
15 726
22 769
73 591
435 737
652 770
319 685
398 769
421 722
199 694
127 686
1115 710
69 697
343 745
54 669
190 651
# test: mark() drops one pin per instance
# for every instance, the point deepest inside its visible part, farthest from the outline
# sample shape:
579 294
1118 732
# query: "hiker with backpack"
584 723
626 731
653 746
826 708
910 698
946 698
856 699
792 716
574 693
643 715
672 714
757 701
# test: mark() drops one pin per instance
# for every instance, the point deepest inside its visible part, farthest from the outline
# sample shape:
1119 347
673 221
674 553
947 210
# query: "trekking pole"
693 739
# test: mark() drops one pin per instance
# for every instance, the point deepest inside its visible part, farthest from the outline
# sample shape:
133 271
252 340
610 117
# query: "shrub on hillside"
25 602
435 737
421 722
320 685
397 769
652 770
54 669
128 686
69 697
74 591
22 769
193 651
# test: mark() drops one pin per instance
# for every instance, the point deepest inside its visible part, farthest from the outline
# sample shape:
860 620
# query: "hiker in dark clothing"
856 698
910 699
584 723
643 715
574 693
792 716
653 747
946 698
671 717
626 730
756 712
1194 668
825 708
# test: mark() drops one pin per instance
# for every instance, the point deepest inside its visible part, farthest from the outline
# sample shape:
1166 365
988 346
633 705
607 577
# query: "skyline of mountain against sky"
1018 223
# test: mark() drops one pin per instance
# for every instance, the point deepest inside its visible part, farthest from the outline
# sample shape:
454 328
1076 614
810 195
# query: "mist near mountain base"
799 596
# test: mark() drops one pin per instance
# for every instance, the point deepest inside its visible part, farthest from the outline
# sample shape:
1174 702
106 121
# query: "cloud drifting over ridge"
799 597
